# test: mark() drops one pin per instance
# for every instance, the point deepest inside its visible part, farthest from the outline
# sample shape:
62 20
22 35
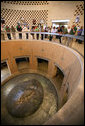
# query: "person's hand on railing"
60 33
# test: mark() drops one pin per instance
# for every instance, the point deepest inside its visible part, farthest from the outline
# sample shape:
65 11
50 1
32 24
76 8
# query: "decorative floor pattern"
46 110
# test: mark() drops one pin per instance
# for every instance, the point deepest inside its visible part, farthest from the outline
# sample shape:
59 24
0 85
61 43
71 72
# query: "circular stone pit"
28 99
25 98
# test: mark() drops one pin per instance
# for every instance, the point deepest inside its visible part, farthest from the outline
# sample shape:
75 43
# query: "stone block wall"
12 11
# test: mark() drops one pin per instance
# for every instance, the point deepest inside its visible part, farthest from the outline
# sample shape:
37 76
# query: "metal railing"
38 36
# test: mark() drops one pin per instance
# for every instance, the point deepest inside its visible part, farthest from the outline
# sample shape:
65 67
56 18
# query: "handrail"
47 33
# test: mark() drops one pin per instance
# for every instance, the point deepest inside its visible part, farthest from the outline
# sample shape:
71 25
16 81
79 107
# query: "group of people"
12 29
74 30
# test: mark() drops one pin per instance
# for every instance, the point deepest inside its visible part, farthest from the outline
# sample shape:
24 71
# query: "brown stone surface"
40 105
25 98
72 65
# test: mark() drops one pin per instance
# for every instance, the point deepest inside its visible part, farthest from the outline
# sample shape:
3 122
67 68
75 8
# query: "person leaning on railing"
7 28
64 31
68 29
42 30
25 29
32 30
49 36
19 29
75 29
60 32
79 33
71 32
54 30
27 35
37 30
46 30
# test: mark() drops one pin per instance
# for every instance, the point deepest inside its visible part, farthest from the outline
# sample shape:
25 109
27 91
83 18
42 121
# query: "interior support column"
12 66
52 69
64 87
33 62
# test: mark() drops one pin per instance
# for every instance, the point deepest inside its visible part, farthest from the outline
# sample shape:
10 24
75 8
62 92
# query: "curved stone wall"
69 62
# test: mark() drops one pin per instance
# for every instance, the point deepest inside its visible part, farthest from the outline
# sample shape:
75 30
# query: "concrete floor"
74 45
78 47
46 110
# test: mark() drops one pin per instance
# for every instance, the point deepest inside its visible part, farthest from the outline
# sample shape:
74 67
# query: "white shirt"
24 29
54 30
69 30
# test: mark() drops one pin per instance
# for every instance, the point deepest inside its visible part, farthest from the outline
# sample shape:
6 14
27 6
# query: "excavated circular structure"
28 99
25 98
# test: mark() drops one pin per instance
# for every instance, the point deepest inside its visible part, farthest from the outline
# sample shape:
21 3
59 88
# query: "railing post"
30 35
43 36
39 36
